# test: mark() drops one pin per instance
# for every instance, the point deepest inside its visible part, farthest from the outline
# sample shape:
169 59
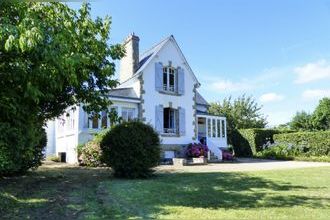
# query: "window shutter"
159 76
182 121
180 81
159 119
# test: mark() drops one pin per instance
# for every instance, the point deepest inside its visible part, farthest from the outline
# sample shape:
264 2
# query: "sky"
276 51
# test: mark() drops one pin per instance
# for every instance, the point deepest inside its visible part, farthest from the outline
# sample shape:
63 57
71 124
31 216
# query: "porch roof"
205 115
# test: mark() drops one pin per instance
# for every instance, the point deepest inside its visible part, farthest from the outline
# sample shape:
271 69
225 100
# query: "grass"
85 193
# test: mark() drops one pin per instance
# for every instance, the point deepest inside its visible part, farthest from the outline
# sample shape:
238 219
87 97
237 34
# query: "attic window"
169 75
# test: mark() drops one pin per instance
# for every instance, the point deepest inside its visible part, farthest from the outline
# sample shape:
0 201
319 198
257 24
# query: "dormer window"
169 79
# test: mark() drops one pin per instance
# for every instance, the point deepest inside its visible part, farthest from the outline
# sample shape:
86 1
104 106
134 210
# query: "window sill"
169 93
169 135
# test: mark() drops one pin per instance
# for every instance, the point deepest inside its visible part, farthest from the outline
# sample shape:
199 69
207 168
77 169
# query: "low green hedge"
247 142
308 143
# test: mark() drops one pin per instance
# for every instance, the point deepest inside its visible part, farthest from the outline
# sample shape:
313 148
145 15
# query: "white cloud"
311 94
313 71
229 86
271 97
277 117
214 83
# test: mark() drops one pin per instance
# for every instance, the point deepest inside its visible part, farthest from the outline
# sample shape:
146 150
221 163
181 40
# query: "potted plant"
197 153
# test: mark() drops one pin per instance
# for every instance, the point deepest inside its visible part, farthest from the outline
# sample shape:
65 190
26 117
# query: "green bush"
131 149
307 143
276 151
247 142
53 158
21 147
90 154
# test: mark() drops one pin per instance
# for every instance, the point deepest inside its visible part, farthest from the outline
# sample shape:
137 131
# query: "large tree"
318 120
321 115
51 57
242 112
302 121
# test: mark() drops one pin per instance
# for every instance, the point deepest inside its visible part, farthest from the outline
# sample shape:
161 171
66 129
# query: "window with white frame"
95 121
214 128
104 119
127 114
218 128
169 78
223 126
209 127
170 121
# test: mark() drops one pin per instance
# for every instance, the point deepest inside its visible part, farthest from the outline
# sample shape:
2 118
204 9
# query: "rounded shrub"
131 149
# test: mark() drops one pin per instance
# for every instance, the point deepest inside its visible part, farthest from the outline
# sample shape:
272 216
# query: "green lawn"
78 193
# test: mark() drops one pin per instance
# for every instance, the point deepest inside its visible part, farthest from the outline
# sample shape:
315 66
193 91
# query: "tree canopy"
53 57
242 112
301 121
318 120
321 115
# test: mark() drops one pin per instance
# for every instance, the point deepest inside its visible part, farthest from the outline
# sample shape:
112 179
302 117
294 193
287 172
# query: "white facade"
162 92
152 97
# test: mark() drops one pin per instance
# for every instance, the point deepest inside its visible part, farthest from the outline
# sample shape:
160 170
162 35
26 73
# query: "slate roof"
200 100
127 93
198 112
145 56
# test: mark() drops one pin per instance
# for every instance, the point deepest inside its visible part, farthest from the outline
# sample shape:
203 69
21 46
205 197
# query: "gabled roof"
148 55
200 100
126 93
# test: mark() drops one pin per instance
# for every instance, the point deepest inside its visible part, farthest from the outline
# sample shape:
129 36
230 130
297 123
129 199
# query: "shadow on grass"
48 193
91 193
209 191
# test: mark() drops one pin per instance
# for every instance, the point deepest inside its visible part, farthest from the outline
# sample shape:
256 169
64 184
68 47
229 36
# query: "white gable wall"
137 88
50 149
151 97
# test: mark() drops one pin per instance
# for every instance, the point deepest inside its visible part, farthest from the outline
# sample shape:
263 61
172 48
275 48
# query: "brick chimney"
130 63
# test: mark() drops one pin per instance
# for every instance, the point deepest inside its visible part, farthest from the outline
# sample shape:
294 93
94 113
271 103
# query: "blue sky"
277 51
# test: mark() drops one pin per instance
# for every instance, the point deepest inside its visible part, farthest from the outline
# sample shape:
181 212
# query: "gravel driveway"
243 164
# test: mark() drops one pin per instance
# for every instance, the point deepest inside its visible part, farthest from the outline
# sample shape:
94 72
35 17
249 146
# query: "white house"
157 87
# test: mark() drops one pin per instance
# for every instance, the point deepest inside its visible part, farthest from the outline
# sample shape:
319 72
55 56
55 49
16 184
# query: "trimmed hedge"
309 143
247 142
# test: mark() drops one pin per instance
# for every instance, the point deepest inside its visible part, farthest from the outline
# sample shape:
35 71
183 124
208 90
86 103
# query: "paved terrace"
242 165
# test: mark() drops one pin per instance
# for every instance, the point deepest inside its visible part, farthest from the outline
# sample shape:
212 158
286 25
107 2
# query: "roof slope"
148 55
145 56
200 100
127 93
